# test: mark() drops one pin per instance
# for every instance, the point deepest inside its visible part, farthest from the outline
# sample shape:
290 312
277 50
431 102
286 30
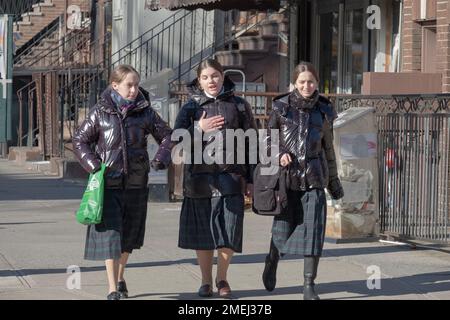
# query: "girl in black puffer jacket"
213 207
115 133
305 123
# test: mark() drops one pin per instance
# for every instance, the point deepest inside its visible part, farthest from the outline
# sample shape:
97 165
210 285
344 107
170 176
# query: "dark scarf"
124 105
300 102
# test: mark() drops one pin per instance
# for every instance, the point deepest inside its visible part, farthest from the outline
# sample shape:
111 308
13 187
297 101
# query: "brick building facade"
426 38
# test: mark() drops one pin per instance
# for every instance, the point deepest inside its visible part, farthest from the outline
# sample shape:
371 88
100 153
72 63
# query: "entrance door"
342 46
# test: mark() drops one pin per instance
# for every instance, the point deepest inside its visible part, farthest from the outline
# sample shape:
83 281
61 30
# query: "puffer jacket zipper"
124 145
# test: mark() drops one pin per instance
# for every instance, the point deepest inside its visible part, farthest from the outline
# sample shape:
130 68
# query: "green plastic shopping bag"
91 207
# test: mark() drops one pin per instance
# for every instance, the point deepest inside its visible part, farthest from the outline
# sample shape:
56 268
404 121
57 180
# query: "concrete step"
24 23
28 15
230 58
266 42
23 154
39 6
61 167
40 166
42 14
270 28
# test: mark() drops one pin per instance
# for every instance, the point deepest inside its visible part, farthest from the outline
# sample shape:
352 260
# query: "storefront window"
329 34
353 50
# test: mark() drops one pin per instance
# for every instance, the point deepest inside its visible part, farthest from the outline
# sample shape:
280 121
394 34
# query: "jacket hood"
282 98
199 96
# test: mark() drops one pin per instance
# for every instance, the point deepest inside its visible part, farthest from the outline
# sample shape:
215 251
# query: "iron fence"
413 163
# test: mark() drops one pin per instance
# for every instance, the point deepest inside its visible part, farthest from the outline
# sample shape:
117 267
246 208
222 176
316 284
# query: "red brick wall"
411 39
443 42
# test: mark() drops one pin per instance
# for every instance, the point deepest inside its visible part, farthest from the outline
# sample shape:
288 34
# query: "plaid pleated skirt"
301 230
123 225
212 223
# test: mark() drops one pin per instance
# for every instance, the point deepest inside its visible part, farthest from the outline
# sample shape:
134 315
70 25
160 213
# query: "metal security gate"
414 168
39 114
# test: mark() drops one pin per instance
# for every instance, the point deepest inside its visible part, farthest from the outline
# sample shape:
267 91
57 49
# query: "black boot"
310 273
269 276
122 289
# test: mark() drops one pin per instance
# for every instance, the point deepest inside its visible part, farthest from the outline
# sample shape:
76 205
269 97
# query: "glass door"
342 46
356 53
328 70
328 44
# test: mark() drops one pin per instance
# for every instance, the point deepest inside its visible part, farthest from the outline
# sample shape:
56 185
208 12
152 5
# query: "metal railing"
38 125
177 43
151 51
51 104
413 163
27 129
17 7
45 33
72 49
182 41
167 45
80 88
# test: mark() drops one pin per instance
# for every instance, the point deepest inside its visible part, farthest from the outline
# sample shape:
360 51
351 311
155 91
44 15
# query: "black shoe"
310 273
269 275
122 289
205 291
309 293
113 296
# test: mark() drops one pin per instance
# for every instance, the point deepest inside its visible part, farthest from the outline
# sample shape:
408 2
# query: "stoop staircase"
42 39
48 55
64 96
260 45
42 15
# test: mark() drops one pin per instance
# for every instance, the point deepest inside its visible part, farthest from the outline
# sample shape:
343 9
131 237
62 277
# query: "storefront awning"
213 4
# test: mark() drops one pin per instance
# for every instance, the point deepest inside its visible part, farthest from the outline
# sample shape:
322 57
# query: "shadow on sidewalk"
390 287
20 223
237 259
39 189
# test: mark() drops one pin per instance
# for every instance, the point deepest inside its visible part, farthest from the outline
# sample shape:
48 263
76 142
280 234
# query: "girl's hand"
249 190
285 160
210 124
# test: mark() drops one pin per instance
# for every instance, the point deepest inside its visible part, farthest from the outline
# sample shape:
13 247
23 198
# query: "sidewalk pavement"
40 239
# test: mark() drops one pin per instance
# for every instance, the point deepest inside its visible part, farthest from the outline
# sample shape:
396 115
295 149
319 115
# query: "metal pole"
243 78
